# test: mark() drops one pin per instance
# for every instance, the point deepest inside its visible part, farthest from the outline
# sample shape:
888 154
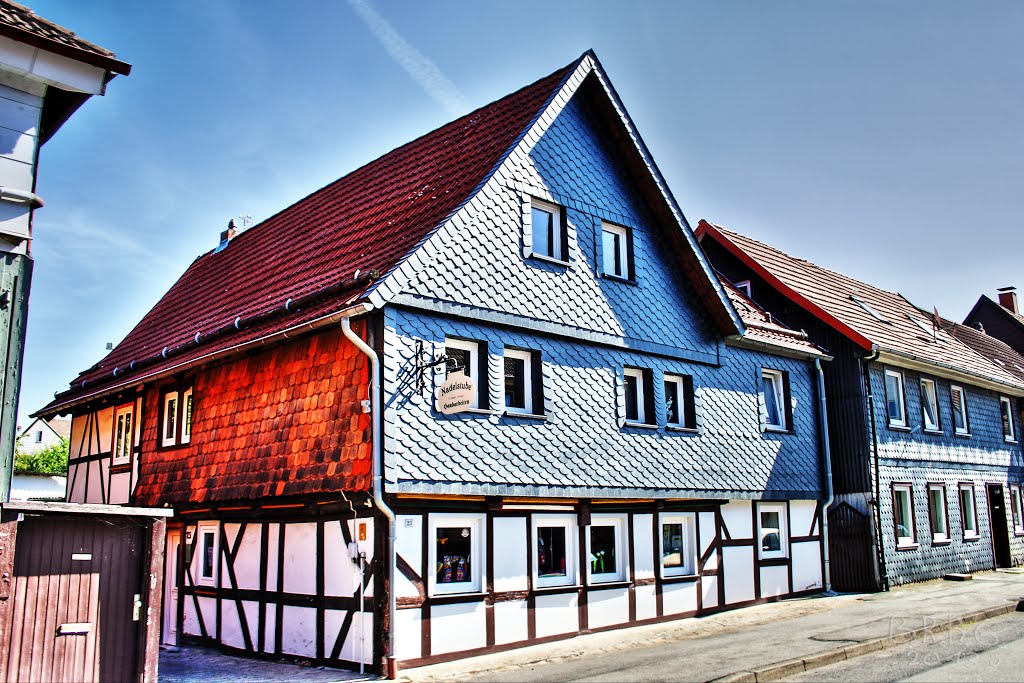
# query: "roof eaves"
97 59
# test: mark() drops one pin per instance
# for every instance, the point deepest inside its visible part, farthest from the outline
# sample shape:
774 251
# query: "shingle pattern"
832 293
365 222
992 348
21 18
762 328
285 422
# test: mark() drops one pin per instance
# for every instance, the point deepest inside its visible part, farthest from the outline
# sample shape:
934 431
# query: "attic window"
870 311
925 327
743 286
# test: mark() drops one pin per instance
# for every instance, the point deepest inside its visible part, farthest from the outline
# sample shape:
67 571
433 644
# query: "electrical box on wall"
361 539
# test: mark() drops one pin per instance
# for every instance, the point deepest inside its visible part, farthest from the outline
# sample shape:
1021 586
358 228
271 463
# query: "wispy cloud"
415 63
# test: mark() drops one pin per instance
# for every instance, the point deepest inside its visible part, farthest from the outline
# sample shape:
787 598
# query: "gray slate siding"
579 448
921 458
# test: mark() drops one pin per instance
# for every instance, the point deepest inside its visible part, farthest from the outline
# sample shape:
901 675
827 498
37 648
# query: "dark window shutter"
786 398
537 382
649 416
631 270
689 403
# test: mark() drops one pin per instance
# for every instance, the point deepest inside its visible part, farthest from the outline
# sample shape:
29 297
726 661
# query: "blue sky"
883 140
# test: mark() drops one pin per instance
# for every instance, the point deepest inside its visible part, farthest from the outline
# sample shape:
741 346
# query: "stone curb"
791 667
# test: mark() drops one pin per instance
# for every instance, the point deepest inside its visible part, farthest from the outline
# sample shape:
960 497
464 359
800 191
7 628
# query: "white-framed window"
1016 509
555 550
169 428
637 389
937 512
968 510
466 357
606 548
122 442
894 402
186 416
929 405
456 553
868 309
209 553
547 229
616 248
522 378
903 514
959 401
39 436
773 400
679 402
678 544
772 530
1006 412
743 286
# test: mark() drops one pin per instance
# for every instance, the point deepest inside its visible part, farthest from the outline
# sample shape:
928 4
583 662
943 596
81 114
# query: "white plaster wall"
76 475
300 558
105 423
607 607
351 649
247 562
94 494
208 606
738 564
706 521
510 568
709 587
557 614
643 546
677 598
407 635
270 629
510 621
807 566
119 484
230 625
190 623
341 575
298 632
457 627
273 535
801 513
737 518
774 581
646 602
410 547
77 434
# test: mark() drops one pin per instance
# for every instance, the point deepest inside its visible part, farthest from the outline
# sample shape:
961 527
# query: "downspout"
378 483
827 456
883 578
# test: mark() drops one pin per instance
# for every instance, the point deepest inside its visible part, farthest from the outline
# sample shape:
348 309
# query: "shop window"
968 511
606 547
894 400
680 407
678 545
555 550
959 400
772 530
903 514
929 405
122 451
209 553
456 553
937 513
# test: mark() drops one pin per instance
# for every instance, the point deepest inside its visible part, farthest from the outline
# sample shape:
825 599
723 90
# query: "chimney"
1008 299
226 236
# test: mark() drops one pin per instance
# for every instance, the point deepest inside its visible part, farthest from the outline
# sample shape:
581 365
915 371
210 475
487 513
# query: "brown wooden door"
74 612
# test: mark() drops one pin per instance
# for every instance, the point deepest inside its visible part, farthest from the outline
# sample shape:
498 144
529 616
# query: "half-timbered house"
633 440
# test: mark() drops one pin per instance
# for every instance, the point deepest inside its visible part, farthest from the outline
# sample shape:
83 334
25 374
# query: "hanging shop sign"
456 394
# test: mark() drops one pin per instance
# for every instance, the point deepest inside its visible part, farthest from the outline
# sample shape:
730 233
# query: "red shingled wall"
284 422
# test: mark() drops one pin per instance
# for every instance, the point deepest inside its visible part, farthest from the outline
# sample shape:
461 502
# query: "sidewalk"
759 643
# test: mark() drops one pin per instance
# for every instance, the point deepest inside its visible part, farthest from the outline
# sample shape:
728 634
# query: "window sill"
974 538
962 435
939 542
639 425
619 278
777 430
469 411
684 430
899 428
679 578
614 583
469 595
550 259
1013 441
525 416
555 589
907 546
933 432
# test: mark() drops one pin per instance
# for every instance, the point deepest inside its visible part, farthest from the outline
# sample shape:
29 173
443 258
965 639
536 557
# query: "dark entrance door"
997 520
849 545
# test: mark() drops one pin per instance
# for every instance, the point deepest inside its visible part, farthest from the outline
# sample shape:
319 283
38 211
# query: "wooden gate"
849 543
76 606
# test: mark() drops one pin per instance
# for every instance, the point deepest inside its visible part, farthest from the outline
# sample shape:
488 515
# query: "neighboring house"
924 430
46 73
38 487
640 441
1001 320
42 434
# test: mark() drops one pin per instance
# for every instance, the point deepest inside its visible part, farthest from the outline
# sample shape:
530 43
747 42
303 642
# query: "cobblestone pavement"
193 664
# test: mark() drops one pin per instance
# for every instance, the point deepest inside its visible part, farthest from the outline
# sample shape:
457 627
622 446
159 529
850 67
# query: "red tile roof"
869 316
22 24
760 327
307 256
994 349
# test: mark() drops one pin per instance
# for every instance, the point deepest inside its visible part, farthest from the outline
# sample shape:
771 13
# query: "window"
523 382
894 404
39 436
547 230
469 357
959 399
186 416
867 308
903 514
209 555
170 419
455 553
638 387
616 251
1015 509
680 410
606 548
929 405
772 529
743 286
937 513
122 450
555 550
968 511
774 407
678 545
1006 411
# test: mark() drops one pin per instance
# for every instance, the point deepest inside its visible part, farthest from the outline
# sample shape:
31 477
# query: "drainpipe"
378 484
882 579
823 412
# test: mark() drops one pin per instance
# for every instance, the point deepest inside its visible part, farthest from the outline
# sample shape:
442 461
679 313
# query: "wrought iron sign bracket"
423 363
